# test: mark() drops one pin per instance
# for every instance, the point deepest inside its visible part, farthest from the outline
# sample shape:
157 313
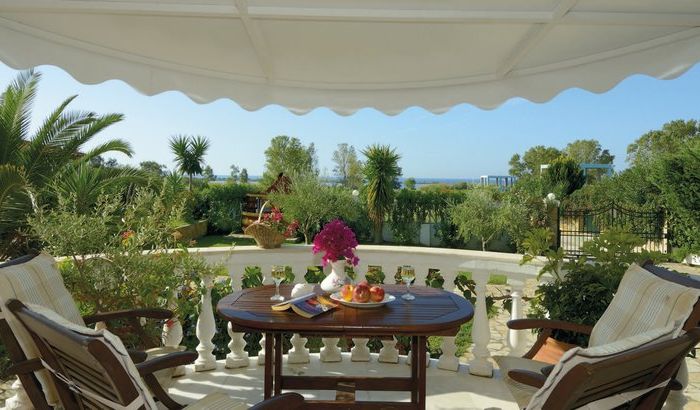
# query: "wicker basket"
265 236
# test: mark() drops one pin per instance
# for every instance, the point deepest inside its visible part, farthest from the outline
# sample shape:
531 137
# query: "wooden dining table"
434 312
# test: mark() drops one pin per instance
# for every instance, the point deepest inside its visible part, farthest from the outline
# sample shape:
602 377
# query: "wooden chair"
640 377
606 330
92 370
36 279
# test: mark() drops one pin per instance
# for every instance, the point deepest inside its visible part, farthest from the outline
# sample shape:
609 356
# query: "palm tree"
189 154
31 162
381 170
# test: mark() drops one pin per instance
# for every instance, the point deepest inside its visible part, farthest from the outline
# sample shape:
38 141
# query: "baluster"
448 359
389 353
20 400
516 338
206 328
481 334
676 398
299 353
261 353
237 356
172 334
330 351
409 358
360 351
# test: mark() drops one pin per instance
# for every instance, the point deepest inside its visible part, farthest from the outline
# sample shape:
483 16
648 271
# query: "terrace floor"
445 389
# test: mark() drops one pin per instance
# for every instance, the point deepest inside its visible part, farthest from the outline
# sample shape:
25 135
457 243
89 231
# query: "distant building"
501 181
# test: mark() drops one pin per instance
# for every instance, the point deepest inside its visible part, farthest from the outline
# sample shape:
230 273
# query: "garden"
113 225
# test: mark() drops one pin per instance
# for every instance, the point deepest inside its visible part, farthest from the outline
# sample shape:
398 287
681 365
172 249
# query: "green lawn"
493 279
222 241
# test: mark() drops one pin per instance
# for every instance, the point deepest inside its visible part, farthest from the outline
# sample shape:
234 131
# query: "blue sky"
463 143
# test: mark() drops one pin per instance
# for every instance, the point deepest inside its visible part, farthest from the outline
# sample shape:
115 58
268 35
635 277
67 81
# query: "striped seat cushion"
643 302
578 355
36 281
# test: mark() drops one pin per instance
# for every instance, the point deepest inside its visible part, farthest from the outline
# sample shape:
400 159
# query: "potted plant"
338 243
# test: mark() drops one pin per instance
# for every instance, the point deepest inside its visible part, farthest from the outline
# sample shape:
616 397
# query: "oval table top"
433 312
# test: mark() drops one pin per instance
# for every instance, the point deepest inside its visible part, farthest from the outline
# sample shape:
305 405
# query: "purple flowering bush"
338 242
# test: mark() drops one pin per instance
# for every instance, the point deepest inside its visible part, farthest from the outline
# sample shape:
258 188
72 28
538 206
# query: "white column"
206 329
481 335
299 353
360 351
389 353
516 338
330 351
20 401
448 359
237 356
409 358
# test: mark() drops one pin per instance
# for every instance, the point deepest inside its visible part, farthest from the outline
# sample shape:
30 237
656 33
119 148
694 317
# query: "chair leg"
160 394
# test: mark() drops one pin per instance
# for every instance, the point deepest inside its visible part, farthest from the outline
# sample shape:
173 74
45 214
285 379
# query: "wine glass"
278 274
408 274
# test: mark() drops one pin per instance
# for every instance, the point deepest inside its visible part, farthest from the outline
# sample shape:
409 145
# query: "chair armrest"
527 377
25 367
287 401
153 313
137 356
521 324
166 362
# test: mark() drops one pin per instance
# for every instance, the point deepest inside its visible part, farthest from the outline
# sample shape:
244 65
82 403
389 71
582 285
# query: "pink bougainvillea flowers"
338 242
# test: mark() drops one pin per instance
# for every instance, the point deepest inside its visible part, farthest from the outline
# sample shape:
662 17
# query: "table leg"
278 363
269 340
422 372
414 369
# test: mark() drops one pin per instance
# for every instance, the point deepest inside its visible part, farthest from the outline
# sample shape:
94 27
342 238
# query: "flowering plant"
275 220
338 241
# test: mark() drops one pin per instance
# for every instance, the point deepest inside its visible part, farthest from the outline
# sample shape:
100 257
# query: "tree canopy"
529 163
189 154
672 137
381 172
588 152
347 167
289 156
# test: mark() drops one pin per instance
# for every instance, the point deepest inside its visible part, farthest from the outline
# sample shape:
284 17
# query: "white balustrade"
409 358
237 356
389 353
330 351
481 334
172 329
20 401
516 338
450 261
299 353
360 351
206 329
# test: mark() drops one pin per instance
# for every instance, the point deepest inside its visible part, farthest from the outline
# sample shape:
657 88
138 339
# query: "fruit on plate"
361 293
376 293
346 292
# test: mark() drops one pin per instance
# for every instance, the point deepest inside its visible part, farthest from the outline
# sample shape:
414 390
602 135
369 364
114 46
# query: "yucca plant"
31 161
381 171
189 154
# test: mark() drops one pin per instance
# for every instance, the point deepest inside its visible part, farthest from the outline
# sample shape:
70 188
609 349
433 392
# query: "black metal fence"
577 226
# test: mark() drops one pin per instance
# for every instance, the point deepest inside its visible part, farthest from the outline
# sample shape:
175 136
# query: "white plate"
387 298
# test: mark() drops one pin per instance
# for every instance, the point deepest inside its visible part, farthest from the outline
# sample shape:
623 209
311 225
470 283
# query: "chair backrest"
648 297
636 369
91 369
33 279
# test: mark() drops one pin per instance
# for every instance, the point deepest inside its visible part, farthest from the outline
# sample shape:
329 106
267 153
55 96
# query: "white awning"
351 54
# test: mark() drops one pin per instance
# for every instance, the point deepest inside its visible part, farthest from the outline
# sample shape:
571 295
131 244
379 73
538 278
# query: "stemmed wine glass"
408 274
278 275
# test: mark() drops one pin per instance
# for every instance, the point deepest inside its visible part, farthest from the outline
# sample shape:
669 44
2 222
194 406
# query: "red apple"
363 283
376 293
361 294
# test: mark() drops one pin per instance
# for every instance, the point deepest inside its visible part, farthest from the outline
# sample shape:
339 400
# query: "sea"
420 182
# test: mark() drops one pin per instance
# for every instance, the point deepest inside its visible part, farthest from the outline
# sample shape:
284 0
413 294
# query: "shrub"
221 204
583 294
